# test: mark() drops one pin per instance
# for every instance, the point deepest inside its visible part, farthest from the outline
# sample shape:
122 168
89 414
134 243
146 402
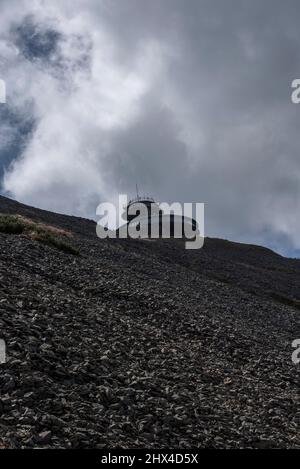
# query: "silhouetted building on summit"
144 214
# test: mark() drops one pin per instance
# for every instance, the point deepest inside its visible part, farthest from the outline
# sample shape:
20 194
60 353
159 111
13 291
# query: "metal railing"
141 199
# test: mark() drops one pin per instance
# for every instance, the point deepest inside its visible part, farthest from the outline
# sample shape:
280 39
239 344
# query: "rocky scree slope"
138 344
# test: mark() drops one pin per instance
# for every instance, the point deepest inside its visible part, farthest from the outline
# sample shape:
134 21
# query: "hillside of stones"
138 344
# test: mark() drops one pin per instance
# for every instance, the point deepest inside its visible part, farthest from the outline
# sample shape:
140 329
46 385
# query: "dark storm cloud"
149 152
16 130
36 41
42 43
235 63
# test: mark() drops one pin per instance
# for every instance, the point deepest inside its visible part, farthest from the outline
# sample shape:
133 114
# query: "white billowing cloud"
75 108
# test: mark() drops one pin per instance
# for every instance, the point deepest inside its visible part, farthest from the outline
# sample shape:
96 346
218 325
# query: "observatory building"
145 215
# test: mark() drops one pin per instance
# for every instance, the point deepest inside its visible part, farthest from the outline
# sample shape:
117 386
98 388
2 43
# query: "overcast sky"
191 99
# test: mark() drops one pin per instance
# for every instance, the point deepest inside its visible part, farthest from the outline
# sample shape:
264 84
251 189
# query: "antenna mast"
137 192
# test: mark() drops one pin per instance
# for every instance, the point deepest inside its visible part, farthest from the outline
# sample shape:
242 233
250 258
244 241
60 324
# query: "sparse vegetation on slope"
16 224
11 224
